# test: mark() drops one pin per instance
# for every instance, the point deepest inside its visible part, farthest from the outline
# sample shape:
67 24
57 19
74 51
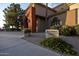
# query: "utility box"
52 33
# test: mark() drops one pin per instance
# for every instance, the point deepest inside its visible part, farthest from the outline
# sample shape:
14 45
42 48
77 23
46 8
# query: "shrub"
67 30
55 27
77 29
64 30
72 31
58 45
26 30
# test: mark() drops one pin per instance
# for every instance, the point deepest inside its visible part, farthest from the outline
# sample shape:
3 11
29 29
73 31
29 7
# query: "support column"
33 19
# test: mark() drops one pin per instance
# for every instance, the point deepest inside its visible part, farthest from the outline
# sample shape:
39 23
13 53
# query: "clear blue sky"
23 6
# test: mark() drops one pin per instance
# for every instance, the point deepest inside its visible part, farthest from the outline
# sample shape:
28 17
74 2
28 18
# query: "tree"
11 14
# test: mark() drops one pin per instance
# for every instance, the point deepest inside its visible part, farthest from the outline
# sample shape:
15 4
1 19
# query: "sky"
23 6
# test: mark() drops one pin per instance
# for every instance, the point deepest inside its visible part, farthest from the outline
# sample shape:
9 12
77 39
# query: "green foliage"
58 45
67 30
73 31
64 30
54 27
26 30
55 21
11 14
77 29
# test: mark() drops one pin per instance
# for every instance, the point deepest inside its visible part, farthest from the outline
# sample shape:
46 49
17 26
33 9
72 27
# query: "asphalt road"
11 44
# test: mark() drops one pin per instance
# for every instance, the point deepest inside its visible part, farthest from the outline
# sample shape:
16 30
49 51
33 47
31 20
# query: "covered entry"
40 24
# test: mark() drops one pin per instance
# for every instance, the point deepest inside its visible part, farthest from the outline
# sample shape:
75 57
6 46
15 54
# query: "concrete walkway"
11 44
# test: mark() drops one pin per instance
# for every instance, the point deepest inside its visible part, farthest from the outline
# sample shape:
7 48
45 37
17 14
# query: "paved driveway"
12 44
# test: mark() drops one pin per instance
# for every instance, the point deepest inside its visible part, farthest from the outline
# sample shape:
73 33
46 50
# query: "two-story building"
67 14
35 14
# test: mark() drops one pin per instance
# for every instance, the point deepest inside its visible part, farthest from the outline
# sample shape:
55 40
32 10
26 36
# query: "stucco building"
35 14
66 15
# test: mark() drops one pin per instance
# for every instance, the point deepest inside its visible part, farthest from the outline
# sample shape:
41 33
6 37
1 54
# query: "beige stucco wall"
77 16
74 6
40 10
71 18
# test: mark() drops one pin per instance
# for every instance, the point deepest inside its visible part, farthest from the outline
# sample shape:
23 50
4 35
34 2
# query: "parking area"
12 44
